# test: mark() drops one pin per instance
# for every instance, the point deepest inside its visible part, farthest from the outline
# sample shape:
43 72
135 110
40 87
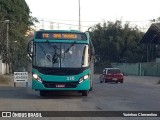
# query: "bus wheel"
91 89
43 93
85 93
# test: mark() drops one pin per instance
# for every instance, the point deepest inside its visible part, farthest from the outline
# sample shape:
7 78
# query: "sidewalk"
8 80
5 80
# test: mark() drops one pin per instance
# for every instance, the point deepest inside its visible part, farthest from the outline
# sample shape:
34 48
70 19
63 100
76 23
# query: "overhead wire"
59 22
48 19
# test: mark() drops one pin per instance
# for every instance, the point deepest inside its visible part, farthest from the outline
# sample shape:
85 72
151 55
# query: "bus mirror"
30 48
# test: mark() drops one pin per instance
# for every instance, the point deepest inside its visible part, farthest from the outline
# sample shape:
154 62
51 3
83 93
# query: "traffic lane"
22 98
7 92
129 95
27 93
136 79
147 80
105 96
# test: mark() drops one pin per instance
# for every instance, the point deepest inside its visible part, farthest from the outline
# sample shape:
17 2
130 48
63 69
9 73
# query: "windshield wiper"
70 47
54 46
56 55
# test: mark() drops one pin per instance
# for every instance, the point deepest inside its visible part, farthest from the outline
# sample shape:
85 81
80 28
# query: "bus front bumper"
85 85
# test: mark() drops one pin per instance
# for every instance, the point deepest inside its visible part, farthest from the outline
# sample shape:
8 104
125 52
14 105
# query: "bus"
61 60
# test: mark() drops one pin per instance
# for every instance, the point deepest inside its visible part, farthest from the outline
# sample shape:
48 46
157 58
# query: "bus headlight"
83 78
36 77
86 77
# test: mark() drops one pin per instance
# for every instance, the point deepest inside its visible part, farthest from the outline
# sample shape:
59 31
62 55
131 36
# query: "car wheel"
85 93
121 81
101 78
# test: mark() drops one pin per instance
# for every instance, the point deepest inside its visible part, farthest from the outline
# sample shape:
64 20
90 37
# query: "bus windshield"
58 55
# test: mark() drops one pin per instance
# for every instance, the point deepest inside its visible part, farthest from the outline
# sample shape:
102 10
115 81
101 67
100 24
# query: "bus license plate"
60 85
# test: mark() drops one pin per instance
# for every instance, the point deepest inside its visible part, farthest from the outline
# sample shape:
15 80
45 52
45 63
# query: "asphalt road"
135 94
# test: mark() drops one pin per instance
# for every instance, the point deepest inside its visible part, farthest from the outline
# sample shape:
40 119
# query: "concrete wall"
141 69
2 67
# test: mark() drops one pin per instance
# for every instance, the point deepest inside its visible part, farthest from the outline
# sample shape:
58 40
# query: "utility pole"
7 36
42 24
7 46
58 26
51 25
79 15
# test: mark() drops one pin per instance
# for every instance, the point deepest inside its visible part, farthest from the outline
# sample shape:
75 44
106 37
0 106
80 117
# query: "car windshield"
114 71
58 55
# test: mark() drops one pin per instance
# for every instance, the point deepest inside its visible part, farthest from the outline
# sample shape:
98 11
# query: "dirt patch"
4 80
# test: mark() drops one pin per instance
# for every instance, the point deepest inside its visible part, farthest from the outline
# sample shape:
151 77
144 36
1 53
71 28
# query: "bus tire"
91 89
85 93
42 93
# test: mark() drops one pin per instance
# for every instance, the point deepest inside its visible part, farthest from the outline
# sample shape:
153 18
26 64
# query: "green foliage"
17 12
115 42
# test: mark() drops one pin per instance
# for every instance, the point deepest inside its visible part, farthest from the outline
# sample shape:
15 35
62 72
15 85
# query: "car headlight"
83 78
36 77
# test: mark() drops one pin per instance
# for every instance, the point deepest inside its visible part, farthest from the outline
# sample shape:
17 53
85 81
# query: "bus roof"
73 31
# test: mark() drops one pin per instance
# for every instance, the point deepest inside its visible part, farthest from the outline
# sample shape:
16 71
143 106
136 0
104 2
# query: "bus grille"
49 84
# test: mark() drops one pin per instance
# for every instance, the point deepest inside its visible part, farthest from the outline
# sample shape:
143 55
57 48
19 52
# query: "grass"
4 80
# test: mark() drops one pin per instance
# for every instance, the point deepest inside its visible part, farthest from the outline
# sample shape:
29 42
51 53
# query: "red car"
111 75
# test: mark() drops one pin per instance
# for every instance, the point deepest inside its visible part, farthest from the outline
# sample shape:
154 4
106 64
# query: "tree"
115 42
17 12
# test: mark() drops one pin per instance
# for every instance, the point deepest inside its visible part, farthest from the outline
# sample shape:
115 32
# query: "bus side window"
89 55
85 56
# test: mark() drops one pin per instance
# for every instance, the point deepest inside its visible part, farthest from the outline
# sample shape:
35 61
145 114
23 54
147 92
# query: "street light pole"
7 36
7 45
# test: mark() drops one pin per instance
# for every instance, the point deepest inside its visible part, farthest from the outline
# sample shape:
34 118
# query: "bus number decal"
70 78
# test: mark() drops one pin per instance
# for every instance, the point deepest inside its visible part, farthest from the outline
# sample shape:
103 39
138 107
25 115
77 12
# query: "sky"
65 13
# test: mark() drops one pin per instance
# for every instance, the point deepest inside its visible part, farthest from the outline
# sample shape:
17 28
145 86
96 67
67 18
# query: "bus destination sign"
62 36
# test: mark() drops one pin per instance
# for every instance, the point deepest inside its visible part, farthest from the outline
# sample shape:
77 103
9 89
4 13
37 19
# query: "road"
135 94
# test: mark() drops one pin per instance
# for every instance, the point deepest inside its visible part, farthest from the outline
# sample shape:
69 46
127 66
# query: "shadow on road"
27 93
